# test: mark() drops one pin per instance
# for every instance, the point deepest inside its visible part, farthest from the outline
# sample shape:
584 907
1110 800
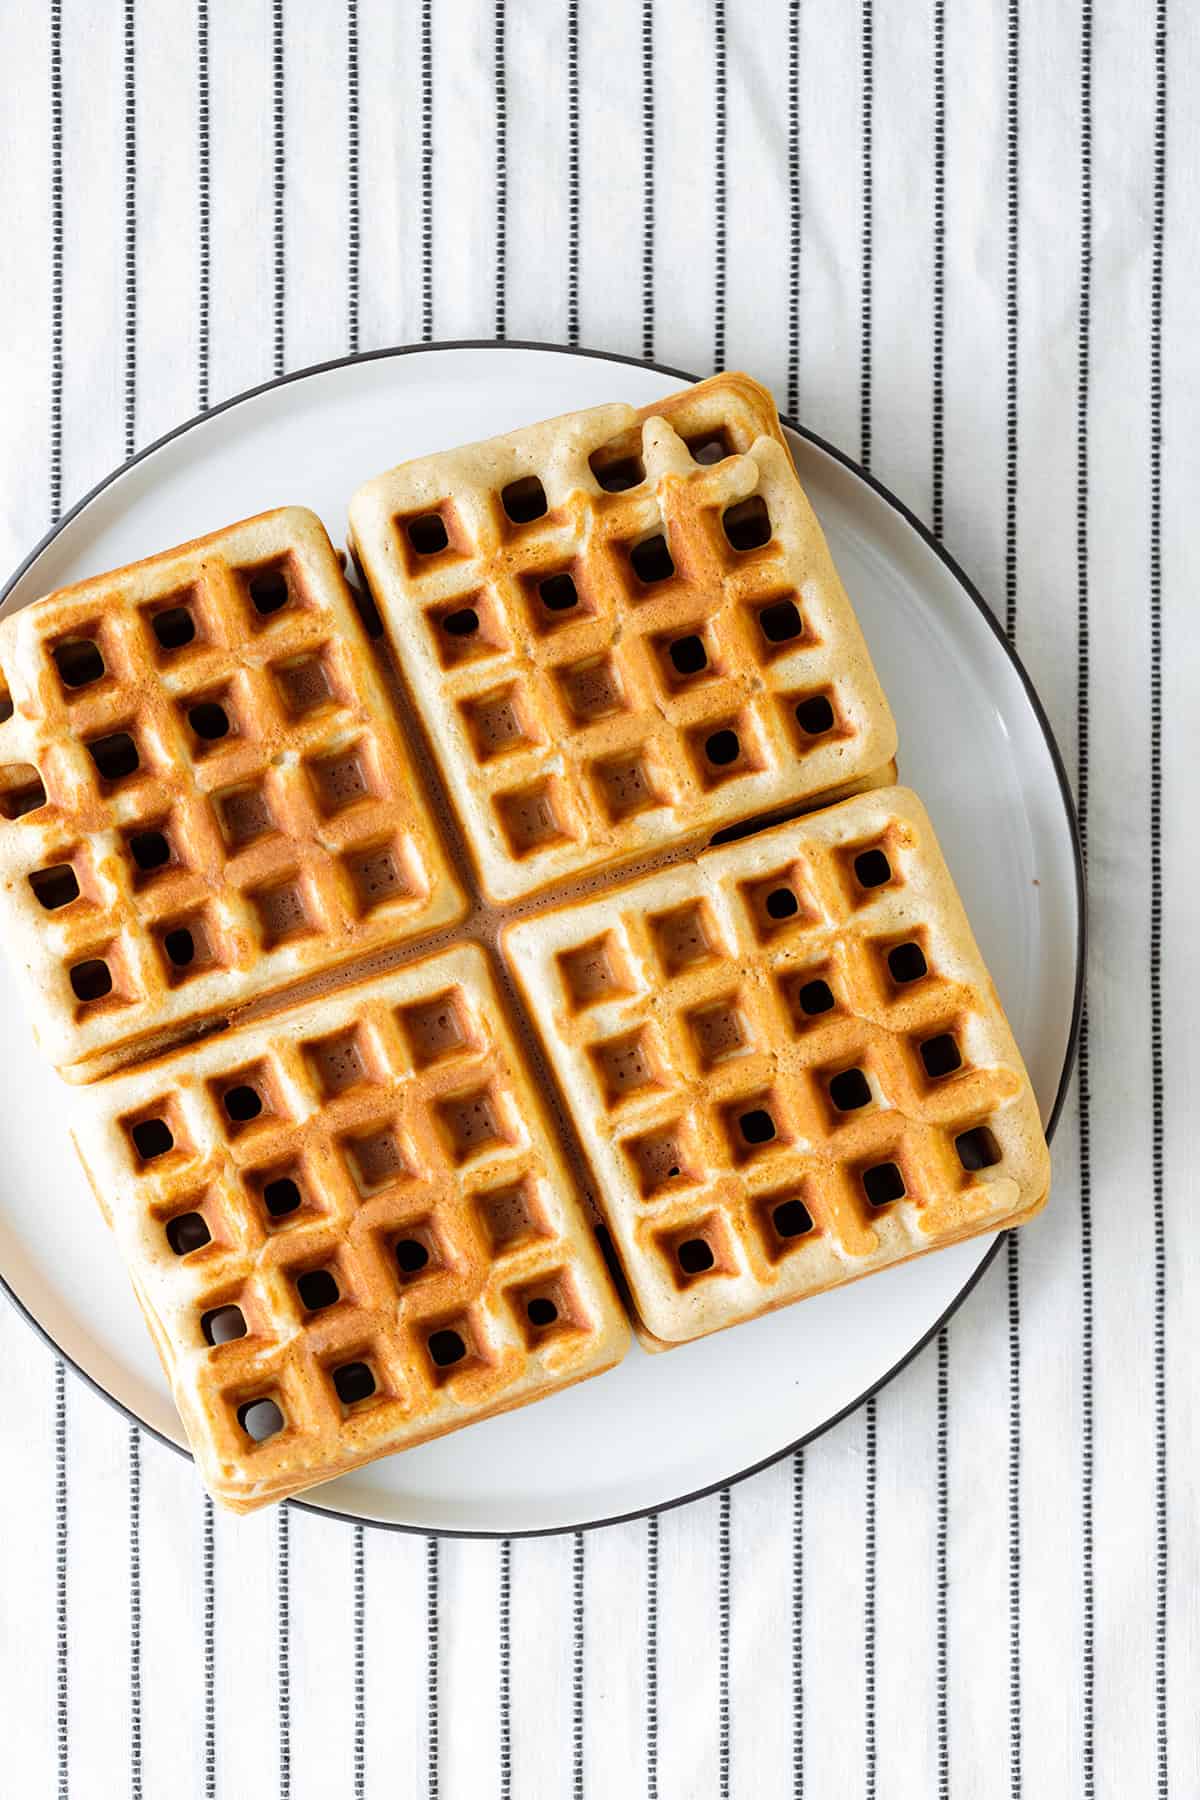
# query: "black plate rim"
1039 713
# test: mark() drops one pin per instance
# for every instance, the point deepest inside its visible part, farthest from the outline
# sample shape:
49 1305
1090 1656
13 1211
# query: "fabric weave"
961 243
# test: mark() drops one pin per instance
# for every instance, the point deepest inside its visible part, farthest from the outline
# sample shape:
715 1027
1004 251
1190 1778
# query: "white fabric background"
960 239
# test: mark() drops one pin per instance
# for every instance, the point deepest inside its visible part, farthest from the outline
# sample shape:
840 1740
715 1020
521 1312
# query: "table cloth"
959 238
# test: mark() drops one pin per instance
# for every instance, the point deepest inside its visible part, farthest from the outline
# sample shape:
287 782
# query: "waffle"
204 796
350 1228
787 1064
347 1211
622 630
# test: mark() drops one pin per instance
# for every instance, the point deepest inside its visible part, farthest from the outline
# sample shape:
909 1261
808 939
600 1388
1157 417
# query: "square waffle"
350 1228
622 630
787 1064
204 795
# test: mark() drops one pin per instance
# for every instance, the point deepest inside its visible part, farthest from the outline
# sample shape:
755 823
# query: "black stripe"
203 332
505 1669
431 1663
652 1657
798 1625
427 171
573 171
210 1653
280 174
937 460
1013 1247
352 285
352 208
284 1653
943 1563
1082 532
648 179
360 1663
284 1543
135 1614
793 377
1014 1511
1014 246
131 336
131 292
204 206
62 1649
577 1647
56 263
1156 896
868 179
724 1610
501 176
719 173
939 260
869 1578
865 400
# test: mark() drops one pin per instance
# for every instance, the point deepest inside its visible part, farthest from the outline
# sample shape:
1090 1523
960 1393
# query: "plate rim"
963 580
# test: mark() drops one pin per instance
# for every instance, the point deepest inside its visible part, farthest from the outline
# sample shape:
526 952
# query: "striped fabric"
962 242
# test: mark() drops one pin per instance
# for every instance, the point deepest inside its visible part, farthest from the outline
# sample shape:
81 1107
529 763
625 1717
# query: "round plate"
658 1429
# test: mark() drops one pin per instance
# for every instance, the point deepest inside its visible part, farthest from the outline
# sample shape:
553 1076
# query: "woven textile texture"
960 241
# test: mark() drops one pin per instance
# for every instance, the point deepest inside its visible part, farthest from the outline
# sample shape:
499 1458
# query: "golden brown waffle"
622 630
786 1062
350 1228
352 1224
204 796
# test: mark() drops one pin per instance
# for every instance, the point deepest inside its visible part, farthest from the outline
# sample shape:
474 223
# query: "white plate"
658 1429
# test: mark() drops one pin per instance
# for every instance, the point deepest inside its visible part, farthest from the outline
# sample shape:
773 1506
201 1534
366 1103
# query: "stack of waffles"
399 976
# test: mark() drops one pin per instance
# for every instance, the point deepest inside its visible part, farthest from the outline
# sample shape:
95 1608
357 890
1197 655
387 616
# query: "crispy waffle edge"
505 874
657 1324
88 1043
95 1134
